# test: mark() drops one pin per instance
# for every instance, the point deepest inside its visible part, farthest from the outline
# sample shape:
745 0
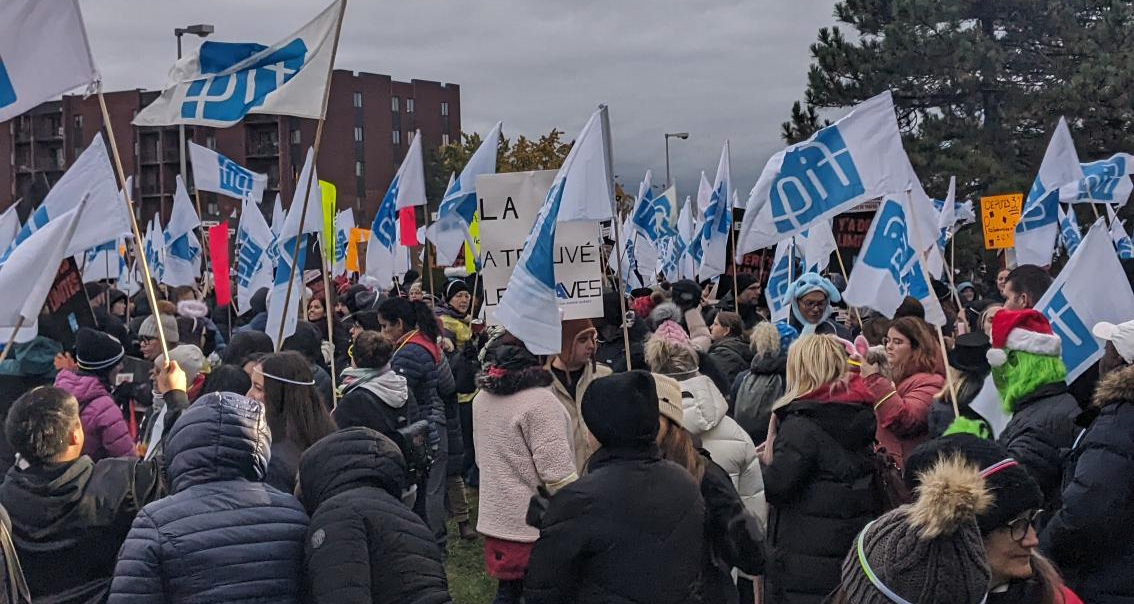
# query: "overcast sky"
715 68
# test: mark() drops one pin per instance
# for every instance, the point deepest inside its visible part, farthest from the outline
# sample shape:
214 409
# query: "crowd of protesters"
689 450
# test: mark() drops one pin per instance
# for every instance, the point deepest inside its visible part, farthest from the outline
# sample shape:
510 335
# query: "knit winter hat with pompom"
928 552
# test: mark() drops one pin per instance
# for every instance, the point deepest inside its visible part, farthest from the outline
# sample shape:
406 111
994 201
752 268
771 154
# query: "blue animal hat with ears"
805 284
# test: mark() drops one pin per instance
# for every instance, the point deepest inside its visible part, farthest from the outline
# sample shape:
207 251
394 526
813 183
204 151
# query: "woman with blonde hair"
817 467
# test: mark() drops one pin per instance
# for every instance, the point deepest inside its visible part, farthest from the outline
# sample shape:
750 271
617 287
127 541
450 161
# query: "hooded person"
611 350
812 302
222 534
928 552
756 389
1018 574
634 524
30 365
256 317
371 387
573 370
1031 380
98 357
363 543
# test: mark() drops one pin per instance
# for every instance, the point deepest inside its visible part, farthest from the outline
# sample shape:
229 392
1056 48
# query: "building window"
397 134
444 109
358 99
297 136
358 134
214 210
79 122
409 105
211 141
394 104
444 139
358 168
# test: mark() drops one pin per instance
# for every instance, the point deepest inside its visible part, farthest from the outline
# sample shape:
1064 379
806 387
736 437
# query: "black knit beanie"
96 351
621 410
1013 489
454 287
928 552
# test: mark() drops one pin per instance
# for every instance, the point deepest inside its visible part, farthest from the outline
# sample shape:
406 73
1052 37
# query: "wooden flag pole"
329 313
201 237
311 176
11 339
846 277
617 237
732 243
138 253
425 252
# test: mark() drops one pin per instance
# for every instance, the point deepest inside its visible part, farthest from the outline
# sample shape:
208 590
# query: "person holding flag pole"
604 114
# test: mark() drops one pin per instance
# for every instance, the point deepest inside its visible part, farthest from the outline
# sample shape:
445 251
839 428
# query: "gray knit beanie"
148 328
928 552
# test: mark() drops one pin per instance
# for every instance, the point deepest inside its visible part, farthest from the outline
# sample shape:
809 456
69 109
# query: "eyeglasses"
1018 528
145 339
813 304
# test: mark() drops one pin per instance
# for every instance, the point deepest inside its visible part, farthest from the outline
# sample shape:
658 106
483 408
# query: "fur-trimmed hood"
194 309
1115 387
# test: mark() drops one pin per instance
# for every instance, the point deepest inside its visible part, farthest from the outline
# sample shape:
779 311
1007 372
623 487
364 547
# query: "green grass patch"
468 583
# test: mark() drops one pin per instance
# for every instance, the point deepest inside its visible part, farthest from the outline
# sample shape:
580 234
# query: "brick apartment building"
370 121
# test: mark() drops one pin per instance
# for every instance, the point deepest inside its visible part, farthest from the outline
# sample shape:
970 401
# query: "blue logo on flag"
1125 247
1069 234
248 260
228 97
181 248
542 239
383 225
1101 178
815 176
1078 343
235 178
7 92
1040 208
653 215
778 282
340 245
889 248
461 205
287 253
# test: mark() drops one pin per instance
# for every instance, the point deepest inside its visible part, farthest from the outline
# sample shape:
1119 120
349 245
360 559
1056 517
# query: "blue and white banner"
219 174
581 191
1121 238
1069 234
384 251
182 247
224 81
291 246
888 269
344 222
103 262
153 249
43 53
278 216
9 226
817 243
637 259
713 236
254 268
411 176
1104 181
704 195
459 205
858 158
1090 289
784 270
1039 218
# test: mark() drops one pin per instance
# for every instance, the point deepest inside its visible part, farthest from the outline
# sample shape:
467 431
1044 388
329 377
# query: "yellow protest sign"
328 193
356 236
470 255
999 215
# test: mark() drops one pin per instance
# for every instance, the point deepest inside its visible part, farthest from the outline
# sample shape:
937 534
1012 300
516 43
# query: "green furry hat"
1025 354
1022 373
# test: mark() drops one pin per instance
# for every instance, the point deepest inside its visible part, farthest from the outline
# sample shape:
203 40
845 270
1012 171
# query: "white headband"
282 379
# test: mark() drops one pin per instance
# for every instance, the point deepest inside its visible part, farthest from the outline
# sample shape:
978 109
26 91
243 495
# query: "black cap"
621 410
968 353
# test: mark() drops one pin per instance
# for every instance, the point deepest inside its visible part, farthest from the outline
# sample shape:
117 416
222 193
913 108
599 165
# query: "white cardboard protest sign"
508 205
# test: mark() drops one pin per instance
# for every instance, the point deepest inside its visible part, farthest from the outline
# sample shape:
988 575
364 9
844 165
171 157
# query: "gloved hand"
328 350
686 294
537 507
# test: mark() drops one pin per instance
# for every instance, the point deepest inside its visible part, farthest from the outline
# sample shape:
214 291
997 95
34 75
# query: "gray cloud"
715 68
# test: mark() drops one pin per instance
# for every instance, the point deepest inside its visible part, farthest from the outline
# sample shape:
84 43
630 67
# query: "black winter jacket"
222 535
420 366
611 351
70 519
754 392
732 537
1040 435
820 490
447 390
630 530
1091 538
731 356
364 545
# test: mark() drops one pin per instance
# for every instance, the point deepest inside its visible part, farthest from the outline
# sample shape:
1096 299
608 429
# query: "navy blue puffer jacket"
418 359
222 535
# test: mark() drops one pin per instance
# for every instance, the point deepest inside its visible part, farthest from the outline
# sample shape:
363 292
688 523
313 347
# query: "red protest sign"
218 256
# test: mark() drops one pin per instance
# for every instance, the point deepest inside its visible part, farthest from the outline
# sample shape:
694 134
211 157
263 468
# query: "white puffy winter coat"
729 445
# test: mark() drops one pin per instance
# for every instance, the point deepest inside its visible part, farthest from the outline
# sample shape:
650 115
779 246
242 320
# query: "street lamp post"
201 30
682 136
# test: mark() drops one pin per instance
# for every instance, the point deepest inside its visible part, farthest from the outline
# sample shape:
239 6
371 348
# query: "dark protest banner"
509 204
66 308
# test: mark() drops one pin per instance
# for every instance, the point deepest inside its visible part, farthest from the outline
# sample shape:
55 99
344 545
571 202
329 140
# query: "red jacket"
903 412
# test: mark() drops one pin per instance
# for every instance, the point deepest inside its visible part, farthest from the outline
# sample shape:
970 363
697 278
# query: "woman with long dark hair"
902 399
296 416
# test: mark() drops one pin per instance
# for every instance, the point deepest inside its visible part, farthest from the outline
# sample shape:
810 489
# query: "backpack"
890 488
413 440
753 403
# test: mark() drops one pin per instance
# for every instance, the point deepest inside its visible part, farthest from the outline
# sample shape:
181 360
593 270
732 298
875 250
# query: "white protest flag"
713 237
858 158
580 191
889 268
182 248
704 195
219 174
384 252
411 176
686 229
278 216
459 205
43 53
1090 289
1104 181
254 267
1038 225
223 81
91 174
102 262
641 234
779 280
26 277
1069 234
634 272
153 249
9 226
291 248
948 213
1122 243
344 222
818 245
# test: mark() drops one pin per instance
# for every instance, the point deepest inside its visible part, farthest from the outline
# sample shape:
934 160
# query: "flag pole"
425 252
12 338
329 314
617 237
311 176
201 237
121 174
846 277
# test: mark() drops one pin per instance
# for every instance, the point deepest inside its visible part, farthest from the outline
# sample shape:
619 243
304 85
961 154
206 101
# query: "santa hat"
1024 330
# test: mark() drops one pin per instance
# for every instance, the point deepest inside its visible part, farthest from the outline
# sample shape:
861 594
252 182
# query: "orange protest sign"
356 236
999 215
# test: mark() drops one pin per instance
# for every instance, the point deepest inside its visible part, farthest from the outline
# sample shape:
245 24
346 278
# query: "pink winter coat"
902 413
104 428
